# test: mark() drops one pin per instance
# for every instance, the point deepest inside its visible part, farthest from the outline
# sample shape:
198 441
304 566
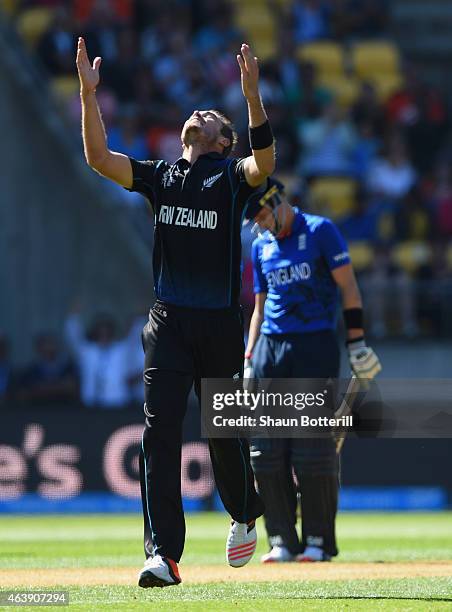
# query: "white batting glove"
248 375
248 369
363 361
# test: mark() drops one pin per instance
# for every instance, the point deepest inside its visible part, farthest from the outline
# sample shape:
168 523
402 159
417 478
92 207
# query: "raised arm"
261 163
74 334
114 166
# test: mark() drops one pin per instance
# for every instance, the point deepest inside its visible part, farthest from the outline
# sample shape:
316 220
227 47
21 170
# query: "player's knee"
315 461
266 460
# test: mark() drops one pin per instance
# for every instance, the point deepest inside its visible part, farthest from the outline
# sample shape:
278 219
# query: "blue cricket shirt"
295 272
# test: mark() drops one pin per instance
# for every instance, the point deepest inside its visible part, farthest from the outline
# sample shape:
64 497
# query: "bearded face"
192 134
202 128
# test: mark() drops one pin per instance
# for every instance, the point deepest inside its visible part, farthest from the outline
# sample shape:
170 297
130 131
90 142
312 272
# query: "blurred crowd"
384 141
164 58
90 365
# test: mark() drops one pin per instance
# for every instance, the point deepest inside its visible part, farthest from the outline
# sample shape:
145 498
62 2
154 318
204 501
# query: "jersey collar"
184 162
296 225
212 155
298 219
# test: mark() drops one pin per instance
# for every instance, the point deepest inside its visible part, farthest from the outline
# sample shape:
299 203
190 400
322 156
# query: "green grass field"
387 562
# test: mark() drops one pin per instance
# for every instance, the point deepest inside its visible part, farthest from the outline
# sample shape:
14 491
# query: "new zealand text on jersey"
188 217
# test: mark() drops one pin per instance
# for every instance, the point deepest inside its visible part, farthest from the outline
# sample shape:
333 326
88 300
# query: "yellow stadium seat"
290 181
9 7
265 47
386 228
371 58
344 89
386 85
362 255
411 255
448 256
333 197
33 22
65 87
284 5
259 26
251 16
328 57
256 5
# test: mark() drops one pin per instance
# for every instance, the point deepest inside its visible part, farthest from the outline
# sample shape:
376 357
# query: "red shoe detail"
240 553
240 556
174 567
240 546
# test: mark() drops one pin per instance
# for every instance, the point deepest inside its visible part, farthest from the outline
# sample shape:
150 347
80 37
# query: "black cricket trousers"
183 345
314 460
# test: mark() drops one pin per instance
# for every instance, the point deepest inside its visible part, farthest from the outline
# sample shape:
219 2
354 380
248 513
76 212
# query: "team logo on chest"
268 250
208 182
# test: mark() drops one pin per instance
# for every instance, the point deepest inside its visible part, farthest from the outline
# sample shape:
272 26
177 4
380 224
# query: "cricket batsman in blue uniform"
301 266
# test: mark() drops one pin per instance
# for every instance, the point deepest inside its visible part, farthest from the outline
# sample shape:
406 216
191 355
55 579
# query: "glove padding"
248 375
248 369
363 361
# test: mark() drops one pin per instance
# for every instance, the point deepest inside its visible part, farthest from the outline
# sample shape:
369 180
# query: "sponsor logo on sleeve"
170 176
341 256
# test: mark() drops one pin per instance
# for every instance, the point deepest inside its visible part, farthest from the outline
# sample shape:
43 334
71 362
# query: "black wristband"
354 318
261 137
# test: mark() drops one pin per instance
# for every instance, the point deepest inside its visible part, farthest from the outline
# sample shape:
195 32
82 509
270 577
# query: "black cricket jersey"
198 213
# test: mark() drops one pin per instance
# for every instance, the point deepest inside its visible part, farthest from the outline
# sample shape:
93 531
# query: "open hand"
88 75
249 72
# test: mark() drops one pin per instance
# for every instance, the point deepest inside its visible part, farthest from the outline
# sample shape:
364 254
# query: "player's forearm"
351 296
254 331
264 158
73 332
256 112
93 131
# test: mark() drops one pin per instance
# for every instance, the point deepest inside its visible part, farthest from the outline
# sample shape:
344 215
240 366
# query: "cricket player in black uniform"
195 327
301 264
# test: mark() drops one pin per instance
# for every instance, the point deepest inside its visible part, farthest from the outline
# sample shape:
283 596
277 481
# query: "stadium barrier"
62 459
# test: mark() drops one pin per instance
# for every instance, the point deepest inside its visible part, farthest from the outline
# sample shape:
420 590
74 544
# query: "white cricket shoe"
313 554
278 554
159 572
241 543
